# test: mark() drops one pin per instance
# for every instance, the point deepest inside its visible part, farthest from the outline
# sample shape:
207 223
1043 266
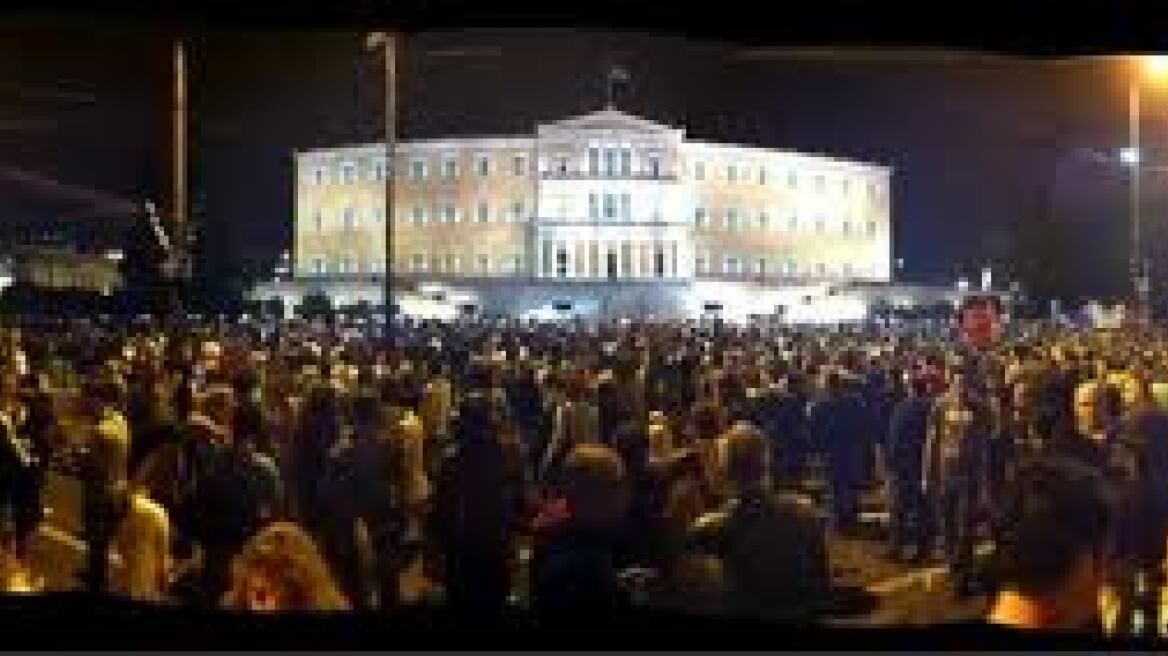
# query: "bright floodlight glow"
114 256
1129 156
1156 66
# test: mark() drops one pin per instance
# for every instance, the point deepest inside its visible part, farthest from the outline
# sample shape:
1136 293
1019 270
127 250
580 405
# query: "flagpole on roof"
616 74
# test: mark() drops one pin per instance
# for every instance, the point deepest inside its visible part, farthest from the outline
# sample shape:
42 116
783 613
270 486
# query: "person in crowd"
1142 522
363 493
575 421
143 540
577 561
772 548
955 471
1090 434
1053 535
20 465
16 575
105 467
843 427
477 508
281 570
236 489
910 521
319 429
435 409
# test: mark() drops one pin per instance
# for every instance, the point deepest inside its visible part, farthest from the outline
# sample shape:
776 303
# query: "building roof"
608 119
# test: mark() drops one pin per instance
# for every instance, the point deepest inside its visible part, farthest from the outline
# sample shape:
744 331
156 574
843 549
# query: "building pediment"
607 120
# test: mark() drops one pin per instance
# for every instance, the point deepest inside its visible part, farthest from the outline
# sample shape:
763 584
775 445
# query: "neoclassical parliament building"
607 206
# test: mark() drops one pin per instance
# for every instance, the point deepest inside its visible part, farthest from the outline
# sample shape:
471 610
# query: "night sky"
987 151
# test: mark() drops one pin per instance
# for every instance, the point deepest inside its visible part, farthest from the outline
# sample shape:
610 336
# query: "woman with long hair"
281 570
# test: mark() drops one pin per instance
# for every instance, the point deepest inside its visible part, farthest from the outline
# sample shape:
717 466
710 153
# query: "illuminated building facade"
602 199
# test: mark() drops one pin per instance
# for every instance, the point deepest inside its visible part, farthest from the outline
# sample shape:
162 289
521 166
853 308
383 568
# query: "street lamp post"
1148 67
1132 157
387 41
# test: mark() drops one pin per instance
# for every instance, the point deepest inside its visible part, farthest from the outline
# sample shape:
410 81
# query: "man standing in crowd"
843 428
910 515
955 471
477 508
773 549
578 558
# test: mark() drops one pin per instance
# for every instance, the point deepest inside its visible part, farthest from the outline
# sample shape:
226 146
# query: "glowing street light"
1151 68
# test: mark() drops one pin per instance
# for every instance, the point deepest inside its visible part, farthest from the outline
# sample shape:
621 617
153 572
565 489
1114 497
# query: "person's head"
596 485
747 459
708 420
833 382
477 419
281 570
630 439
1134 391
1052 531
106 391
1089 407
367 413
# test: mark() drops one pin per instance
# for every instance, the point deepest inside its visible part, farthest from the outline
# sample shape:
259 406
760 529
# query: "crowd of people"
578 470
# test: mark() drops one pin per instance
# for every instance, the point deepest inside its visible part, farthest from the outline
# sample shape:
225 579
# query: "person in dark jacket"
1053 530
841 424
20 467
364 496
319 430
955 471
908 430
477 506
1143 517
789 429
578 558
772 547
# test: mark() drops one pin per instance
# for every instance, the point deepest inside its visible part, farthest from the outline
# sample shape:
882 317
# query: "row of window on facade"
600 206
733 221
608 162
743 173
347 173
349 217
662 264
733 265
418 262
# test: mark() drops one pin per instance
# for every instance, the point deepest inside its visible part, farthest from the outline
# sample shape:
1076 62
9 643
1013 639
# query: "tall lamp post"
1147 68
387 43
